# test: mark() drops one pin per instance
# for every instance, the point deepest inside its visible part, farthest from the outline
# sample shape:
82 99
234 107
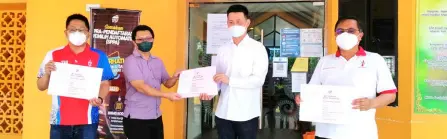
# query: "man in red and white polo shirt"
73 118
353 66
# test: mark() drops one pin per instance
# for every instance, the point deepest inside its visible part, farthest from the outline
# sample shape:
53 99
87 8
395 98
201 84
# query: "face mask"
77 38
237 31
347 41
145 46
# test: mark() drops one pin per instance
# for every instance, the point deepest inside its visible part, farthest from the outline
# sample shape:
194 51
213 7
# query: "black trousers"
143 129
237 130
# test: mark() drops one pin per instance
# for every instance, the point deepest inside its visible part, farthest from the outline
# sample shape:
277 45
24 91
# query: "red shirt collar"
86 49
360 52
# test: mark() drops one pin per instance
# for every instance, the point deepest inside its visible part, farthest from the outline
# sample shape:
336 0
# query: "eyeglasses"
339 31
144 39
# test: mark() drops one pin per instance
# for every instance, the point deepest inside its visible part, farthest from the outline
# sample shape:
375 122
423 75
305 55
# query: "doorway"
279 116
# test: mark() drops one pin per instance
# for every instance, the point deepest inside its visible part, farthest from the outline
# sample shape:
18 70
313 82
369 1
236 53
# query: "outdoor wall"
12 1
12 62
331 18
395 122
45 31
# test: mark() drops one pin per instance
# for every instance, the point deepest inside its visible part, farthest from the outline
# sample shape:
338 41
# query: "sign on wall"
290 42
301 42
112 33
431 57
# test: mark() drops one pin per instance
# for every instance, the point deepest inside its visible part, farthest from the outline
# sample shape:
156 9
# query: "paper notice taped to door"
300 65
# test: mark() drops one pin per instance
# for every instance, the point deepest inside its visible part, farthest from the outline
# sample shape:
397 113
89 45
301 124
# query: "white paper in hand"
75 81
193 82
327 104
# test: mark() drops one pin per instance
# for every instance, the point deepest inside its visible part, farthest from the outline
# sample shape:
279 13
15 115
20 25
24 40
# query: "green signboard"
431 57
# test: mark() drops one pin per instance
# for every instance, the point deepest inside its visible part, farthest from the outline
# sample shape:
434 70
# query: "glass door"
279 119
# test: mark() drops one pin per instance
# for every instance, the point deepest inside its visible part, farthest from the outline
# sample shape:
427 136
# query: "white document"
217 33
327 104
298 78
193 82
280 66
75 81
311 42
213 60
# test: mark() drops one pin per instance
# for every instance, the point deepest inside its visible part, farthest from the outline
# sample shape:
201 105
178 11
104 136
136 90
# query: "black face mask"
145 46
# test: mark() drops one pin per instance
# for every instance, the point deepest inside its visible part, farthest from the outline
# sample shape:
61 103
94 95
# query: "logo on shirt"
64 61
114 89
89 63
362 64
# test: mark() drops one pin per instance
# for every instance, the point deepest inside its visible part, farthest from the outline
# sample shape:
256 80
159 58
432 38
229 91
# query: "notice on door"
280 65
290 42
311 42
217 34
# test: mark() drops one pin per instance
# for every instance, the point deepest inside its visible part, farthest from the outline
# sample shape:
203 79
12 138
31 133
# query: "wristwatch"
102 100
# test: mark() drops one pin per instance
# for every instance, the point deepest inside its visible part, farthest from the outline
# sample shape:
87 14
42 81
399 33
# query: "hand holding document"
327 104
75 81
193 82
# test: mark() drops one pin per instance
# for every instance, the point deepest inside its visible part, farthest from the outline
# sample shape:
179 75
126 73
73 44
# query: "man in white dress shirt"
353 66
241 69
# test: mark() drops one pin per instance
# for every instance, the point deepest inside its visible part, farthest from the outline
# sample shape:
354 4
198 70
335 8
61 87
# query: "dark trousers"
237 130
316 137
143 129
74 131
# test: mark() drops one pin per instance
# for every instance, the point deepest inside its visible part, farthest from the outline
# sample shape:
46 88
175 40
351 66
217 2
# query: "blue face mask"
145 46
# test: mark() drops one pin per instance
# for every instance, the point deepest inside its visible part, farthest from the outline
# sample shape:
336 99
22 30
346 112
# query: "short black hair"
341 19
238 8
77 17
142 28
